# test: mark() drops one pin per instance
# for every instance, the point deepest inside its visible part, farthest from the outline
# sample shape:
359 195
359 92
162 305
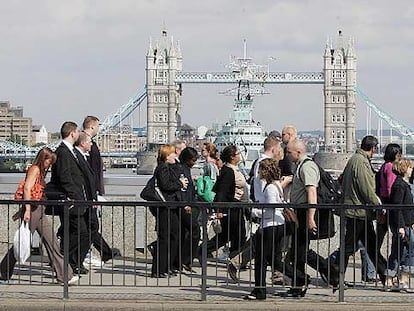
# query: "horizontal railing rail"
127 227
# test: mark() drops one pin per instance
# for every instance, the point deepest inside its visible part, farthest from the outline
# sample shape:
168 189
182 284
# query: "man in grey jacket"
358 185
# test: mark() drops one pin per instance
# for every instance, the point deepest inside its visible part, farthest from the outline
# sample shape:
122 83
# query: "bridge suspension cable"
114 119
404 130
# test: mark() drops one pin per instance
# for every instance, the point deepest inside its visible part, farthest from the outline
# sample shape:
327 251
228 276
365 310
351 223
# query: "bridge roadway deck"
122 285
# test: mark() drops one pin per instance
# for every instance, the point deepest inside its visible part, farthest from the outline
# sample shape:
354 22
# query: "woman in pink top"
386 176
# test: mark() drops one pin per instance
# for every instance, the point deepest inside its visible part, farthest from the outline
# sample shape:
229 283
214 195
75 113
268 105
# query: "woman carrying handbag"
34 215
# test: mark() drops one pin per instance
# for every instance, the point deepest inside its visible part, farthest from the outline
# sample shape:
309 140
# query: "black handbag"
152 193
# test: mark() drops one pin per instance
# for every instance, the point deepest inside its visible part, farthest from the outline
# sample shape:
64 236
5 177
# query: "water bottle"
182 178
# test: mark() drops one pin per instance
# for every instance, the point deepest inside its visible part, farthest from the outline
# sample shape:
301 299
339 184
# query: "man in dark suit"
91 128
67 175
83 147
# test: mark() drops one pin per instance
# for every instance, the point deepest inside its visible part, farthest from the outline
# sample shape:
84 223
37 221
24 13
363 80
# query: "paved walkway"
125 285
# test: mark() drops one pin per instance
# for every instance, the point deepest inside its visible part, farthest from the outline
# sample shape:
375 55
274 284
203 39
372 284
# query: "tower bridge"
165 79
256 78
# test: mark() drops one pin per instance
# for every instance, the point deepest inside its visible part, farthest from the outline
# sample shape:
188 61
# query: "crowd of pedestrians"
283 174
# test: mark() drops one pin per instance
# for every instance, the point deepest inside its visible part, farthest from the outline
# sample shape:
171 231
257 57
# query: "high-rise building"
13 126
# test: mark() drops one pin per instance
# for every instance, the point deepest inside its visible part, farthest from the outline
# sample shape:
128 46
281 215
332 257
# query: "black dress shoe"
255 295
116 253
293 292
159 275
187 268
173 272
80 270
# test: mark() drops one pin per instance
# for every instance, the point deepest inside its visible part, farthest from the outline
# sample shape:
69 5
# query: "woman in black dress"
165 251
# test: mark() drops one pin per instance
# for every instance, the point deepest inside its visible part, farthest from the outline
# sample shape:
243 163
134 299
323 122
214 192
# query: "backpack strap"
300 167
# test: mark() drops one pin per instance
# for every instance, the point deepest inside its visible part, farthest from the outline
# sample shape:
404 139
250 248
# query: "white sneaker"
74 280
94 262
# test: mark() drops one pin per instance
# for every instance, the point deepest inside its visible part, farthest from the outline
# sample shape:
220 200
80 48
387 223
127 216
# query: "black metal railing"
182 257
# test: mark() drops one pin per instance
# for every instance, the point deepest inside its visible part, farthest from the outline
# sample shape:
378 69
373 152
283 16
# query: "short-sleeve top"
307 174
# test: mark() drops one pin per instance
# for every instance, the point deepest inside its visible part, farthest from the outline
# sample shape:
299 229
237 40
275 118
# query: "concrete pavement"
124 285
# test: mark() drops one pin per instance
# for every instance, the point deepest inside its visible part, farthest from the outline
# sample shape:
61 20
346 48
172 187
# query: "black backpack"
329 192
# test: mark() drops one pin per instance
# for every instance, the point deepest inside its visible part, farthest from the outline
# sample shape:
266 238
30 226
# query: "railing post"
342 254
204 254
65 249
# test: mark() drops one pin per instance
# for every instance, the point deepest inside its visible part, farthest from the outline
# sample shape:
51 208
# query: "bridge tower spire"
163 61
340 100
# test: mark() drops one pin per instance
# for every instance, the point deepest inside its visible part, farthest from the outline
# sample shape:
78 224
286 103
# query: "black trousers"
95 236
363 230
79 242
166 248
300 254
189 236
269 243
233 231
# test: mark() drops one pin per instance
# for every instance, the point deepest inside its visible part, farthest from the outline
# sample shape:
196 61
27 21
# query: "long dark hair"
391 152
228 152
44 154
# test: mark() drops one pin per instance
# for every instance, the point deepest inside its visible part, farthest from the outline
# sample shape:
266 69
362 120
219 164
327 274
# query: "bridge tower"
163 95
340 100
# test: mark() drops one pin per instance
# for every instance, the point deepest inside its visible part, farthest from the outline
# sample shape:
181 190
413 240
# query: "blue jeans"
402 252
408 254
367 267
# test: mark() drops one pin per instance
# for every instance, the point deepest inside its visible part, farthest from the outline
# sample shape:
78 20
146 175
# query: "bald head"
296 149
289 133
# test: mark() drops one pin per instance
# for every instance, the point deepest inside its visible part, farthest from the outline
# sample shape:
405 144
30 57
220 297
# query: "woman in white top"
270 235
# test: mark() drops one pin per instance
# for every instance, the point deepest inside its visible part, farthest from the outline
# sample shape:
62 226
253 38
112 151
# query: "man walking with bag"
304 191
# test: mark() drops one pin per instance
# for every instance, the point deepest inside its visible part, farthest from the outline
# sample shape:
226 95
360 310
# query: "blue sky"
62 60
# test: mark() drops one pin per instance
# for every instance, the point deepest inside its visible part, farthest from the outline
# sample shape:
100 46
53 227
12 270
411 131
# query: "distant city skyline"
64 60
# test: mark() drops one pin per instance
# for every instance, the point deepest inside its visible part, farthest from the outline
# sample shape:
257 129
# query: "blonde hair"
291 130
400 167
164 152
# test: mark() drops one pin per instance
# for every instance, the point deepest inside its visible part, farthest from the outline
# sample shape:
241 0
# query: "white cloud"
72 58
